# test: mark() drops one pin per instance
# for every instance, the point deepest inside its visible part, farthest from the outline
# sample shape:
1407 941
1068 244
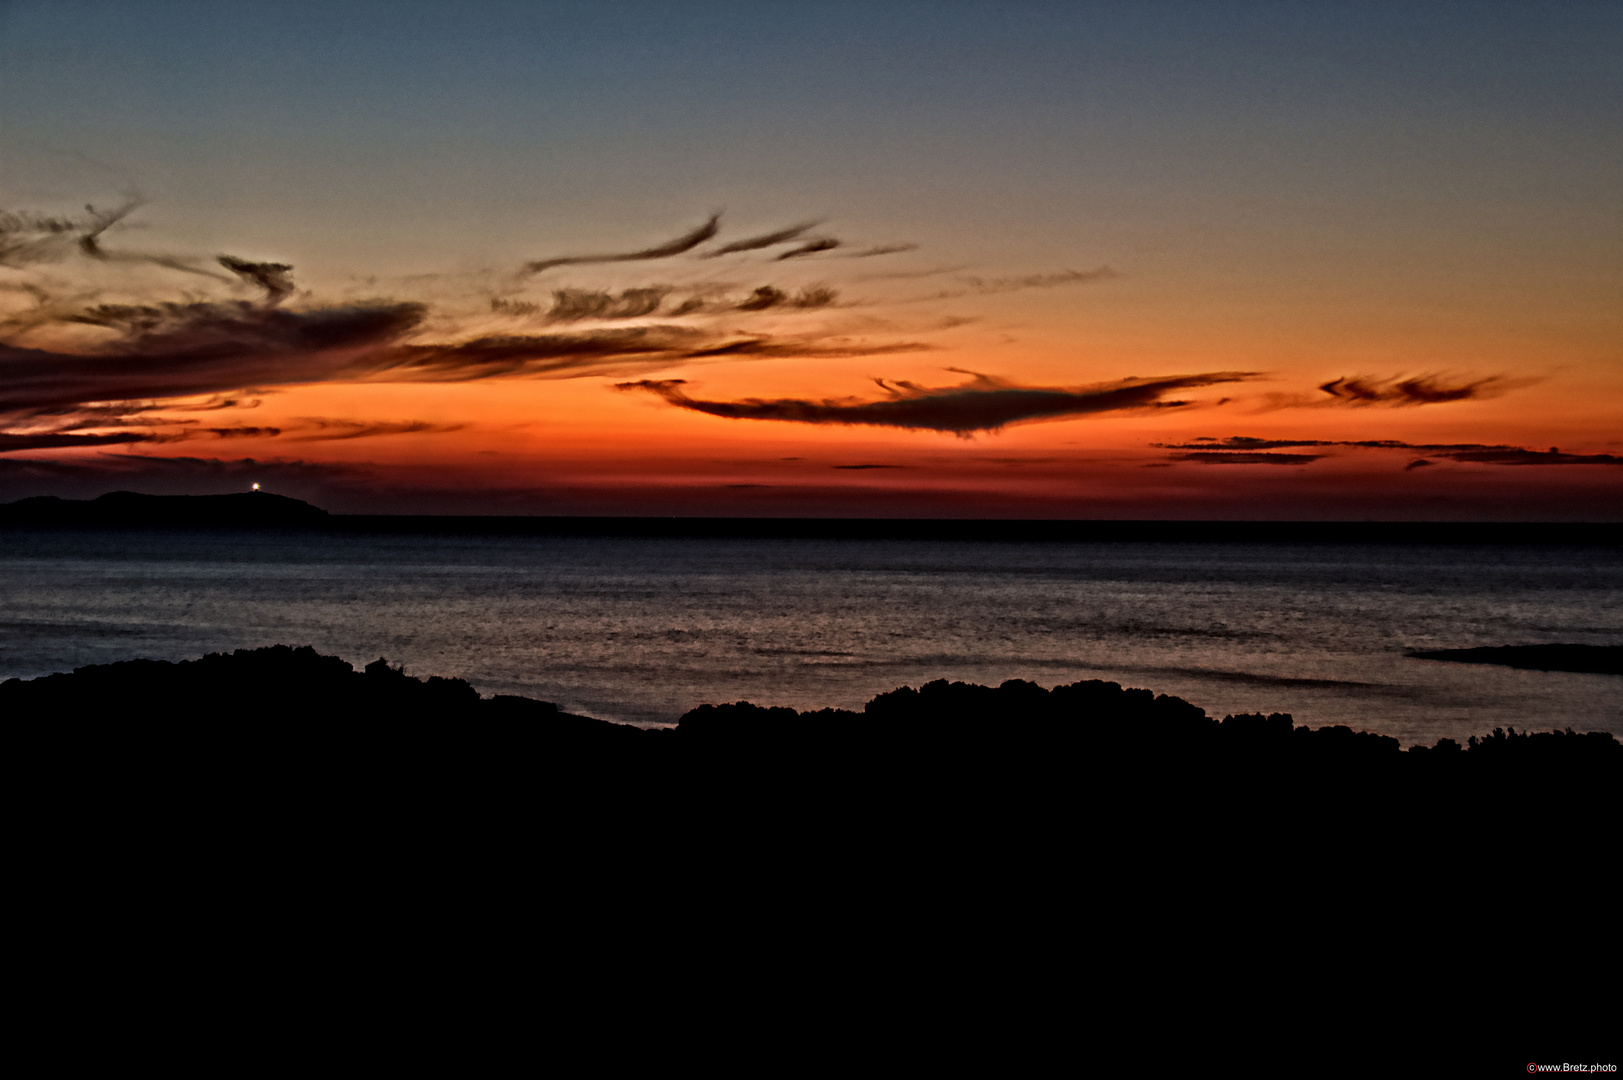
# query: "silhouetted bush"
988 765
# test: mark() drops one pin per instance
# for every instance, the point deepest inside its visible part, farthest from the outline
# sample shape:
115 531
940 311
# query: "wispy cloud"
322 429
51 440
684 243
811 247
765 240
982 286
1401 391
1248 450
1239 458
982 404
28 238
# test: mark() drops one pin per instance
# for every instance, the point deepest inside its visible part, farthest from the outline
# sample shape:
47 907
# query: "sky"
1209 260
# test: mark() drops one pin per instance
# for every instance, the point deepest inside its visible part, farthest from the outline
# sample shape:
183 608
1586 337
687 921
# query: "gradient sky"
1138 260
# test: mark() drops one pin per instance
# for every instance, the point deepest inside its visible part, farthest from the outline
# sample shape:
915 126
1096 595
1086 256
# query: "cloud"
869 466
768 296
275 278
979 286
32 238
765 240
684 243
573 305
1243 449
579 305
329 429
174 350
1518 456
982 404
1238 458
881 249
811 247
185 350
1364 390
27 238
83 365
1040 281
219 433
51 440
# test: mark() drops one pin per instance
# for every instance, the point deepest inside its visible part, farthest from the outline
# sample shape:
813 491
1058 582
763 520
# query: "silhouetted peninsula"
1593 659
256 508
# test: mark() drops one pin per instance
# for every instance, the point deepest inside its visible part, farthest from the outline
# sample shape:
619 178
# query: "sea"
642 628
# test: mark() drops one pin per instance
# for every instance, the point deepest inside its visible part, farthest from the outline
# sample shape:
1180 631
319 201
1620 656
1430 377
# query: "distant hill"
1596 659
133 508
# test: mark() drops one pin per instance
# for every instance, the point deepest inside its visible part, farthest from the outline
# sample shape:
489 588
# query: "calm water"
644 629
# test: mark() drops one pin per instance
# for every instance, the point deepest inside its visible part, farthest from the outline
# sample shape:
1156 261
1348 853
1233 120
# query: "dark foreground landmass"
1595 659
955 849
295 711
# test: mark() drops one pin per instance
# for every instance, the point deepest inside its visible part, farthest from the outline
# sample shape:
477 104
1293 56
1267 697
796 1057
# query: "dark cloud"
31 238
217 432
1400 391
573 305
766 240
769 296
185 350
979 286
983 404
275 278
27 238
1517 456
577 305
74 368
882 249
537 354
815 296
329 429
1240 458
684 243
503 306
811 247
869 466
171 350
1238 449
52 440
764 297
241 432
1240 442
1040 281
764 347
98 222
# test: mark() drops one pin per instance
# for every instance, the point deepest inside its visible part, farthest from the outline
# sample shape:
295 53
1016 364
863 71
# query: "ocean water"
642 629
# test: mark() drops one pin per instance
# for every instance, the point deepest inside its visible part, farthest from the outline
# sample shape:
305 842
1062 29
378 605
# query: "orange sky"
1117 288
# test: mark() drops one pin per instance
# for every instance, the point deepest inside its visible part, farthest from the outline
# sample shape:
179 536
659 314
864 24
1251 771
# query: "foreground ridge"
230 694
